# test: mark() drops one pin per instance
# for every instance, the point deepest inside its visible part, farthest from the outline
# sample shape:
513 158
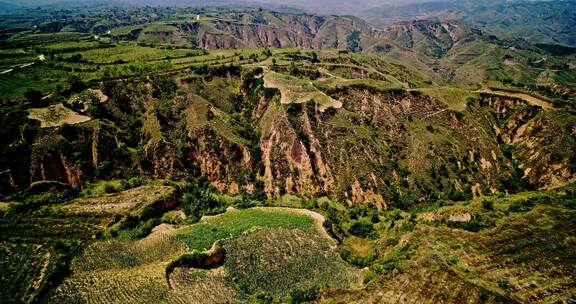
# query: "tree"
315 57
33 96
76 84
294 69
362 229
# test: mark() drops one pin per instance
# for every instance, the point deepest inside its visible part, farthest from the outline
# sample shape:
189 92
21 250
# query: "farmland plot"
295 90
56 115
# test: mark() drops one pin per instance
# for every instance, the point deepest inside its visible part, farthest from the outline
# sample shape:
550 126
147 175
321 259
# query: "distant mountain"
7 6
551 22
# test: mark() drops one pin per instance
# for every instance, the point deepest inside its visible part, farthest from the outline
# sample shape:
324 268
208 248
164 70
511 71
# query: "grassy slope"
289 256
515 249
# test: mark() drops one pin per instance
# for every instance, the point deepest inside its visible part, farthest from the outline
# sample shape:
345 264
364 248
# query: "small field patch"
56 115
295 90
233 223
118 202
276 261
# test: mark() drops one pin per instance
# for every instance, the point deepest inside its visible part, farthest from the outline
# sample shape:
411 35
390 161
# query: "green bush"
487 205
474 225
300 295
197 203
261 298
521 206
504 284
362 229
110 188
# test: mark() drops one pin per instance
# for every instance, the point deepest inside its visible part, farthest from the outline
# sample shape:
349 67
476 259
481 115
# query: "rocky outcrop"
277 30
382 148
542 148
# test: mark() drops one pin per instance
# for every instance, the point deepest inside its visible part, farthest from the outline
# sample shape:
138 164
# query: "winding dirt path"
318 219
528 98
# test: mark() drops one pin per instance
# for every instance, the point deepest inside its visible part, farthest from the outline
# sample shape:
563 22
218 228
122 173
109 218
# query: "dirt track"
528 98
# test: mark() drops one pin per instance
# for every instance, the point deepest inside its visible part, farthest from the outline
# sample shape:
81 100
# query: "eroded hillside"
366 143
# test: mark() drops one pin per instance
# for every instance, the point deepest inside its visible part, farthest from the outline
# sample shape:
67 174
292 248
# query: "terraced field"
118 202
56 115
276 261
21 267
290 254
295 90
122 271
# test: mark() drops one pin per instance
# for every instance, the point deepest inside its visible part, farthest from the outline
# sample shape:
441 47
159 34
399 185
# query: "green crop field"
15 84
131 52
234 223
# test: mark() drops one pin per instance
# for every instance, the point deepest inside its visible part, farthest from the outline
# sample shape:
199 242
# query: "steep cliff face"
381 147
542 142
72 155
390 146
429 38
277 30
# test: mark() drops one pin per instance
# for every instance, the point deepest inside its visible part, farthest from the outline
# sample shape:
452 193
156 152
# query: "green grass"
234 223
130 52
32 39
454 98
15 84
68 46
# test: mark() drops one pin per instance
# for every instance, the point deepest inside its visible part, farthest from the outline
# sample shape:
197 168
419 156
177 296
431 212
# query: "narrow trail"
528 98
435 113
318 219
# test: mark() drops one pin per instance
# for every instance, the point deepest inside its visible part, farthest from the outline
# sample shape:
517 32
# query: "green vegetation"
147 156
282 262
233 223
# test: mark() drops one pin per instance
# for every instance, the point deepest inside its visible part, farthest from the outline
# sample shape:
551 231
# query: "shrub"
362 228
33 96
452 260
300 295
76 84
521 206
504 284
109 188
262 298
474 225
197 203
487 205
